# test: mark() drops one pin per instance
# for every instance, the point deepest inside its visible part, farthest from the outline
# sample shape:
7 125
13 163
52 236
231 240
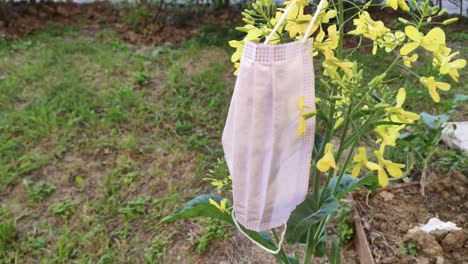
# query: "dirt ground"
146 25
389 216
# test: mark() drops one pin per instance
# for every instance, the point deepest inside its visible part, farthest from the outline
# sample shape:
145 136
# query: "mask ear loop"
312 22
255 242
280 21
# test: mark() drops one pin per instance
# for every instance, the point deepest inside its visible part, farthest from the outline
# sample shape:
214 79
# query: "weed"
410 249
157 250
138 16
215 230
345 224
8 235
65 208
135 207
38 191
140 78
448 160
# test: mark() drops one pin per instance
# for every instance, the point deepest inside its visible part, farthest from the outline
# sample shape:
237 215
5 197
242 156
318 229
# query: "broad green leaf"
307 214
348 184
199 207
335 250
434 122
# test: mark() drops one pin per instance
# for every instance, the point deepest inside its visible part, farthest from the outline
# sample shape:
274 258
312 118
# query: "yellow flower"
394 169
239 46
388 135
330 43
361 159
391 40
301 129
237 67
369 28
395 3
434 39
442 59
328 159
221 206
408 60
331 65
298 25
218 184
397 113
432 86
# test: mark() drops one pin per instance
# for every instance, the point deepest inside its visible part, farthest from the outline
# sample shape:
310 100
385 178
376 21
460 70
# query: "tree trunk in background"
461 10
226 3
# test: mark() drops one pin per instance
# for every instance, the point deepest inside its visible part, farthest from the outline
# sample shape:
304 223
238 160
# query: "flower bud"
309 114
450 21
377 79
325 84
248 21
382 105
403 21
429 19
338 123
336 97
442 12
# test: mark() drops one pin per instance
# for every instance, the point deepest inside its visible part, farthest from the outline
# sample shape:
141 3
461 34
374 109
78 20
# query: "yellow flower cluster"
433 41
377 32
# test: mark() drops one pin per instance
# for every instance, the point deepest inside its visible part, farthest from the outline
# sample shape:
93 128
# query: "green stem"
281 254
341 26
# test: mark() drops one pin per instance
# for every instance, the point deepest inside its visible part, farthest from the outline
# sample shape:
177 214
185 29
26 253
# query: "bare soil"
390 216
148 25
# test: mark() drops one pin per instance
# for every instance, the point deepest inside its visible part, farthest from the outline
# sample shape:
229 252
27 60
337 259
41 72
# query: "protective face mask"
268 161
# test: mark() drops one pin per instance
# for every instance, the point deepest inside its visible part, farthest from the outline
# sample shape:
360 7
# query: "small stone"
440 260
387 196
454 240
423 215
404 226
439 234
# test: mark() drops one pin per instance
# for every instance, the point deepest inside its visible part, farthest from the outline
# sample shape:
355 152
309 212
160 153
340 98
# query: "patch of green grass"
38 191
65 208
130 135
216 230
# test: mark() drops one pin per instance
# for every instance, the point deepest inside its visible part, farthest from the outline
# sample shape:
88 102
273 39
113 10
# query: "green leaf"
459 98
307 214
318 141
335 251
293 260
321 246
434 122
199 207
79 180
348 184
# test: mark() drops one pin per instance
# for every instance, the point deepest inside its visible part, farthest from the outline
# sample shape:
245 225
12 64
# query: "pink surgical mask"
268 161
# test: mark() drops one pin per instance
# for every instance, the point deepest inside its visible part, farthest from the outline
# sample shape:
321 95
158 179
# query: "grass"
107 139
